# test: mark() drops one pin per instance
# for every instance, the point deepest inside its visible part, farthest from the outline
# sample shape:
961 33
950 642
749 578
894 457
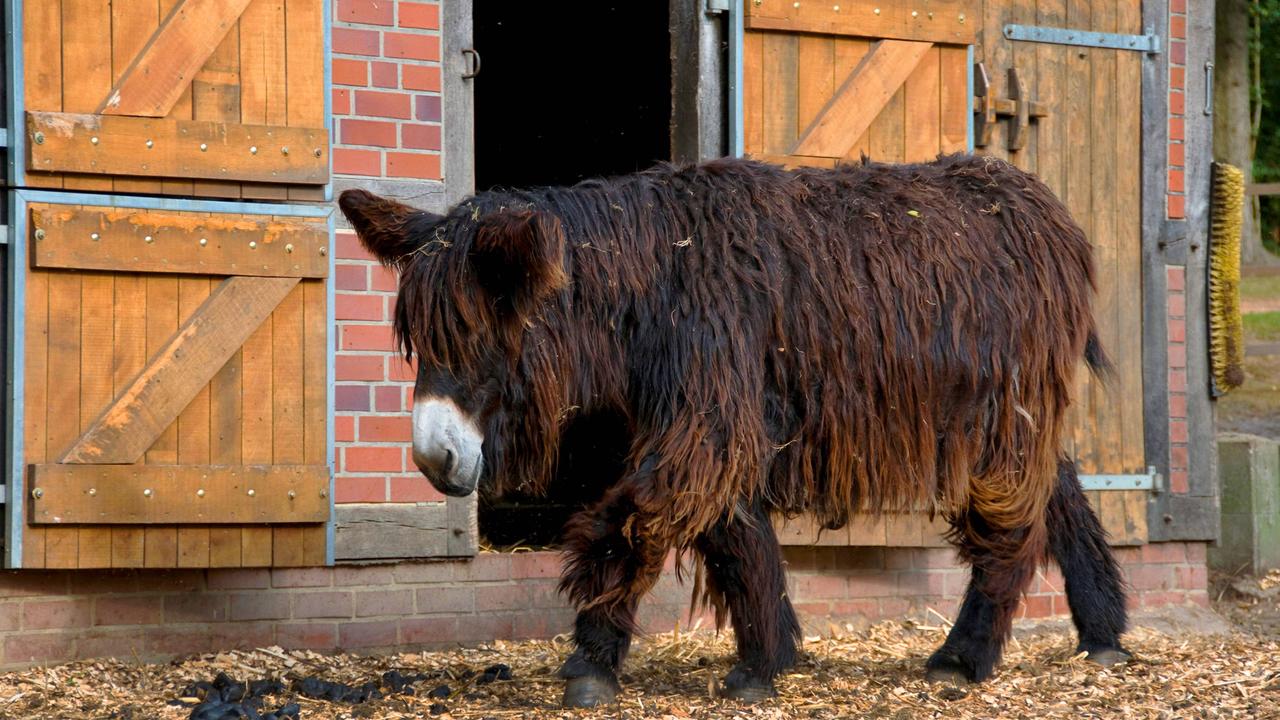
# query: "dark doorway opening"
570 90
593 449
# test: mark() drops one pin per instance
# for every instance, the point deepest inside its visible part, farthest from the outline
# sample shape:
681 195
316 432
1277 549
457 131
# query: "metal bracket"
1149 43
715 7
1149 481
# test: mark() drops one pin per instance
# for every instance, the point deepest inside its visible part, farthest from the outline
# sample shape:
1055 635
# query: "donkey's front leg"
612 561
744 568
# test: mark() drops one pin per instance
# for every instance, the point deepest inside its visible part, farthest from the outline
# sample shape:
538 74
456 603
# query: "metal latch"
715 7
987 109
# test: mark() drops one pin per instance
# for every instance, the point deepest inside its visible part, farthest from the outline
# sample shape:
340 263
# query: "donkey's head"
470 284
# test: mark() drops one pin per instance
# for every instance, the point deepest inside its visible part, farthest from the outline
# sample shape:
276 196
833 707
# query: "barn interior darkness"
570 90
567 91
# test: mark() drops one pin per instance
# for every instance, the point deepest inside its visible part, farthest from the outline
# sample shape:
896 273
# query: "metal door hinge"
1149 43
715 7
1149 481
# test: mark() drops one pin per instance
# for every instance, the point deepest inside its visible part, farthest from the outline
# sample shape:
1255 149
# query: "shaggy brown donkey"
866 339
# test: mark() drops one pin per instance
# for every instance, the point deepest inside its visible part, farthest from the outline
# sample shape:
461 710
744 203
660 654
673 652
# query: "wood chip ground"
873 673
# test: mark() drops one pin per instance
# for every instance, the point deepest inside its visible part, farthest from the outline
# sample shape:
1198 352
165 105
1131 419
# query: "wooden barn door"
830 82
221 98
1084 140
903 81
171 355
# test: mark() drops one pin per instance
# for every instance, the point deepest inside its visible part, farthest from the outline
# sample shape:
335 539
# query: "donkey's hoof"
739 685
589 691
946 668
1106 657
949 676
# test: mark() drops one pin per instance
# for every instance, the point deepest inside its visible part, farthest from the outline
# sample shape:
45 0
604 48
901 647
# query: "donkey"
866 339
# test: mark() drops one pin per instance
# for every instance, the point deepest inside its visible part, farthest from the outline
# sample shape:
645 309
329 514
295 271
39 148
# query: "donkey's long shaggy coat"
865 339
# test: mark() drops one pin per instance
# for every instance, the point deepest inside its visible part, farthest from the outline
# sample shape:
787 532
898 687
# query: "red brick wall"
64 615
374 388
1177 348
1177 199
386 89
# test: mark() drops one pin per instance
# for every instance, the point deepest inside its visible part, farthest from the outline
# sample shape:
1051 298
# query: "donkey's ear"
518 257
389 229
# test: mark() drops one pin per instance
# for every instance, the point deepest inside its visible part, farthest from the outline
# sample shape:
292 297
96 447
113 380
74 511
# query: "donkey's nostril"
449 458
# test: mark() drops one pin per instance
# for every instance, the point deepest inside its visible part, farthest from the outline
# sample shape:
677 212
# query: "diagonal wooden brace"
187 362
151 85
860 98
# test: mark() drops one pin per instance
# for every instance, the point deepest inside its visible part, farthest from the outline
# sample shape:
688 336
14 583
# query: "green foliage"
1265 97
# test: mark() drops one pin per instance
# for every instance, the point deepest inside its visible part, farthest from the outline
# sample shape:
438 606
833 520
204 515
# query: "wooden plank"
1052 141
997 55
224 546
887 140
1128 354
923 122
1108 303
154 82
264 76
62 544
848 53
1076 107
815 77
860 98
941 21
35 431
104 238
183 110
232 151
953 108
1124 516
1262 189
1021 55
132 24
224 448
256 430
805 530
160 544
161 547
88 62
234 494
904 530
128 357
315 401
97 336
779 91
867 530
193 429
180 369
215 95
287 434
304 74
42 65
128 549
753 93
384 531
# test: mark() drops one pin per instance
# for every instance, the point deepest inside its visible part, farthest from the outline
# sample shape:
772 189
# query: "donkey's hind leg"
610 565
1095 591
744 570
1001 568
